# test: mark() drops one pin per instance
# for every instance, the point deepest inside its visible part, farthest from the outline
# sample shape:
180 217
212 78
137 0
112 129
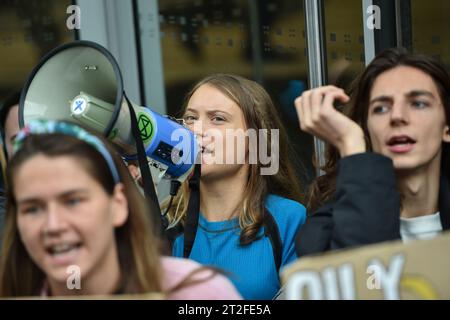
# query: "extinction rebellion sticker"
145 126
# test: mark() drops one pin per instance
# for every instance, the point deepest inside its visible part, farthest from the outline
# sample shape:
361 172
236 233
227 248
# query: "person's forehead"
40 171
402 80
208 97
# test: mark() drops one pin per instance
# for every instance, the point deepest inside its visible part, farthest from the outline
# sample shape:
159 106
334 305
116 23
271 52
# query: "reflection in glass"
344 41
260 40
430 26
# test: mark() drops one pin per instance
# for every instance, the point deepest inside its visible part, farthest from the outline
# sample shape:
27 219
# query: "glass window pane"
430 26
344 41
28 30
260 40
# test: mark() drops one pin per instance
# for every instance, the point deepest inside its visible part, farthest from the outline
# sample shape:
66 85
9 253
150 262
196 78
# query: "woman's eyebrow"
214 111
191 110
64 194
73 191
209 112
13 138
28 200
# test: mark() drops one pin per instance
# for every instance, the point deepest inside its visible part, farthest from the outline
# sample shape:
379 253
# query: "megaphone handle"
148 186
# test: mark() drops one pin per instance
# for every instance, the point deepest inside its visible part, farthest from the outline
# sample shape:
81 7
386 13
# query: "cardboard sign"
391 270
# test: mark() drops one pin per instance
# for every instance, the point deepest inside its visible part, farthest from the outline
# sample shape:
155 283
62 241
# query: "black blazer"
365 209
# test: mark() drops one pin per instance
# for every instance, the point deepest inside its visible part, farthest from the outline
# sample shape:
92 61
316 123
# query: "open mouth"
401 144
63 249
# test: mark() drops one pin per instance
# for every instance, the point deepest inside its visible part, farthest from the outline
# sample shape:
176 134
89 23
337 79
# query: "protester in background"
9 121
9 127
72 203
387 175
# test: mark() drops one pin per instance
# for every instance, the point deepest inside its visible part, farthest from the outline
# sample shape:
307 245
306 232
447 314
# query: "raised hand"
318 117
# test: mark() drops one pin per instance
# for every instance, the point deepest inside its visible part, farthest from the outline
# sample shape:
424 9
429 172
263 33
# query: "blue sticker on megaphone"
78 106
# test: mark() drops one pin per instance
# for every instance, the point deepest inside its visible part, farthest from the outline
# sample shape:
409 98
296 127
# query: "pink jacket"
216 288
175 270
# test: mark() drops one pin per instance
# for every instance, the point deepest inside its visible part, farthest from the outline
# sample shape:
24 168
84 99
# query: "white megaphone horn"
81 82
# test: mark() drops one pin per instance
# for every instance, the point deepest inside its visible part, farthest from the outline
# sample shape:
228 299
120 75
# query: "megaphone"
81 82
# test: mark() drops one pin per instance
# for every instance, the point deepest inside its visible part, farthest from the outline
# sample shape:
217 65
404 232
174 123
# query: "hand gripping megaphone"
81 81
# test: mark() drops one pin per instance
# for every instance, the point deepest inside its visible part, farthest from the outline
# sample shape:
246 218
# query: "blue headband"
51 126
